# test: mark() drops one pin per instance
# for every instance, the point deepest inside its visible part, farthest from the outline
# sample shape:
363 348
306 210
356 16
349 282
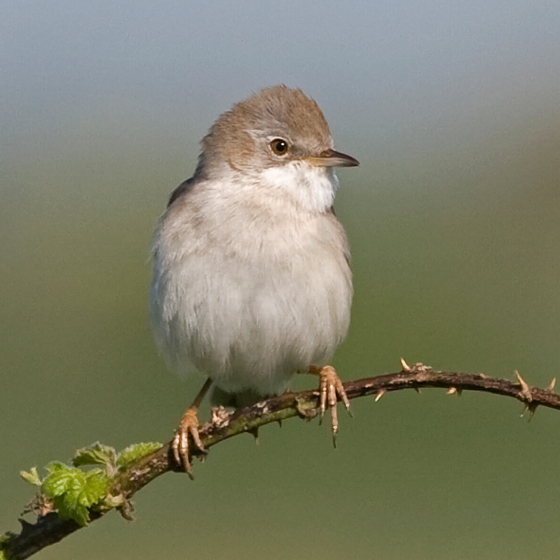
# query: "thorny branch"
50 528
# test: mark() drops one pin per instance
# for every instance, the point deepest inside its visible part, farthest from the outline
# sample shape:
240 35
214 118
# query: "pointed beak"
330 158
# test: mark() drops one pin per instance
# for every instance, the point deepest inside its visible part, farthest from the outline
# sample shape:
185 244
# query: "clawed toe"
330 390
181 448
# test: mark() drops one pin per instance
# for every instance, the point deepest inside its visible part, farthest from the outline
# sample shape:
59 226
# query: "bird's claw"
181 448
330 390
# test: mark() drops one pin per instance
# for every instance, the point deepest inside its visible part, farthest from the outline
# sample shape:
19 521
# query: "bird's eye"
279 146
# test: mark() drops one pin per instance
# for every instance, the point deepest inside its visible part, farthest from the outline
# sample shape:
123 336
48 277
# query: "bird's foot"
181 445
330 390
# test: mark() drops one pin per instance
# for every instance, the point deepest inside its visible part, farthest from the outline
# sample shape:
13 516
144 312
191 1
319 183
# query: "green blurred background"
454 220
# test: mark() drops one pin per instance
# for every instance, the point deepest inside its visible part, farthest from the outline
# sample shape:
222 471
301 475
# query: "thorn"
417 389
525 389
127 510
279 422
482 376
255 433
451 391
380 393
532 408
405 366
25 525
550 387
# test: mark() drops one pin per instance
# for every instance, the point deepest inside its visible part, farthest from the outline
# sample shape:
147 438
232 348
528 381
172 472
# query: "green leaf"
56 466
96 454
68 507
95 488
62 480
134 452
64 485
73 491
32 476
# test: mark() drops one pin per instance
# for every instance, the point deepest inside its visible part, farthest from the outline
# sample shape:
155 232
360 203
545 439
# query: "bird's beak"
330 158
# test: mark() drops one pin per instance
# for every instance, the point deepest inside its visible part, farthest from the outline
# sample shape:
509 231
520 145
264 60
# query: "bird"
251 276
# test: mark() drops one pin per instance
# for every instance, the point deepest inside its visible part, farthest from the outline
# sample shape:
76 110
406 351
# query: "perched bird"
251 277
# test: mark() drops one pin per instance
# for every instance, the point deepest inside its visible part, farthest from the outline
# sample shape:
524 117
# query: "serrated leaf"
133 452
81 516
73 491
62 479
56 466
95 454
95 488
68 507
32 476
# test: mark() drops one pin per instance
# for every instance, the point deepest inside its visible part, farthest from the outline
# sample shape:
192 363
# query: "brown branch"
50 528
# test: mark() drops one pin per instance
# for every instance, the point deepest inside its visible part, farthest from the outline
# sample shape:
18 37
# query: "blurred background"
453 216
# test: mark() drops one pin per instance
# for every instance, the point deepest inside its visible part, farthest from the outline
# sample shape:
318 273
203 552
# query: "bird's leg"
330 389
189 426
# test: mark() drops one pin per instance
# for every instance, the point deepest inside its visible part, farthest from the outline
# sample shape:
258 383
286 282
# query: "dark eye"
279 146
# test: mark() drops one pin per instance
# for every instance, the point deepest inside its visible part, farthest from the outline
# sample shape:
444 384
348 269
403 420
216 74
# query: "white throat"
311 187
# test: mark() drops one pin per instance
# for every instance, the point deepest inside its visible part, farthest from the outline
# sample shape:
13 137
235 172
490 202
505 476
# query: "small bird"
251 280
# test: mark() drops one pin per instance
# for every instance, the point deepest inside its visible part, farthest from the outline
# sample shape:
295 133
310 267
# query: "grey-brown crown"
241 136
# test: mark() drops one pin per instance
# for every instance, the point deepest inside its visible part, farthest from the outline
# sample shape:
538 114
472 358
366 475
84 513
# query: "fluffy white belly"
252 318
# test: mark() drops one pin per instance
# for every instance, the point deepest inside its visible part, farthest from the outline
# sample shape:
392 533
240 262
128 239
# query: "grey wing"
181 190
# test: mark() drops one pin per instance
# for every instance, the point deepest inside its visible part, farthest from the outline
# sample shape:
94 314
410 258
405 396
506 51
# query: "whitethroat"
252 282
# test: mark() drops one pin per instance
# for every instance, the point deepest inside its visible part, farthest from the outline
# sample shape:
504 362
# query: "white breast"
248 288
